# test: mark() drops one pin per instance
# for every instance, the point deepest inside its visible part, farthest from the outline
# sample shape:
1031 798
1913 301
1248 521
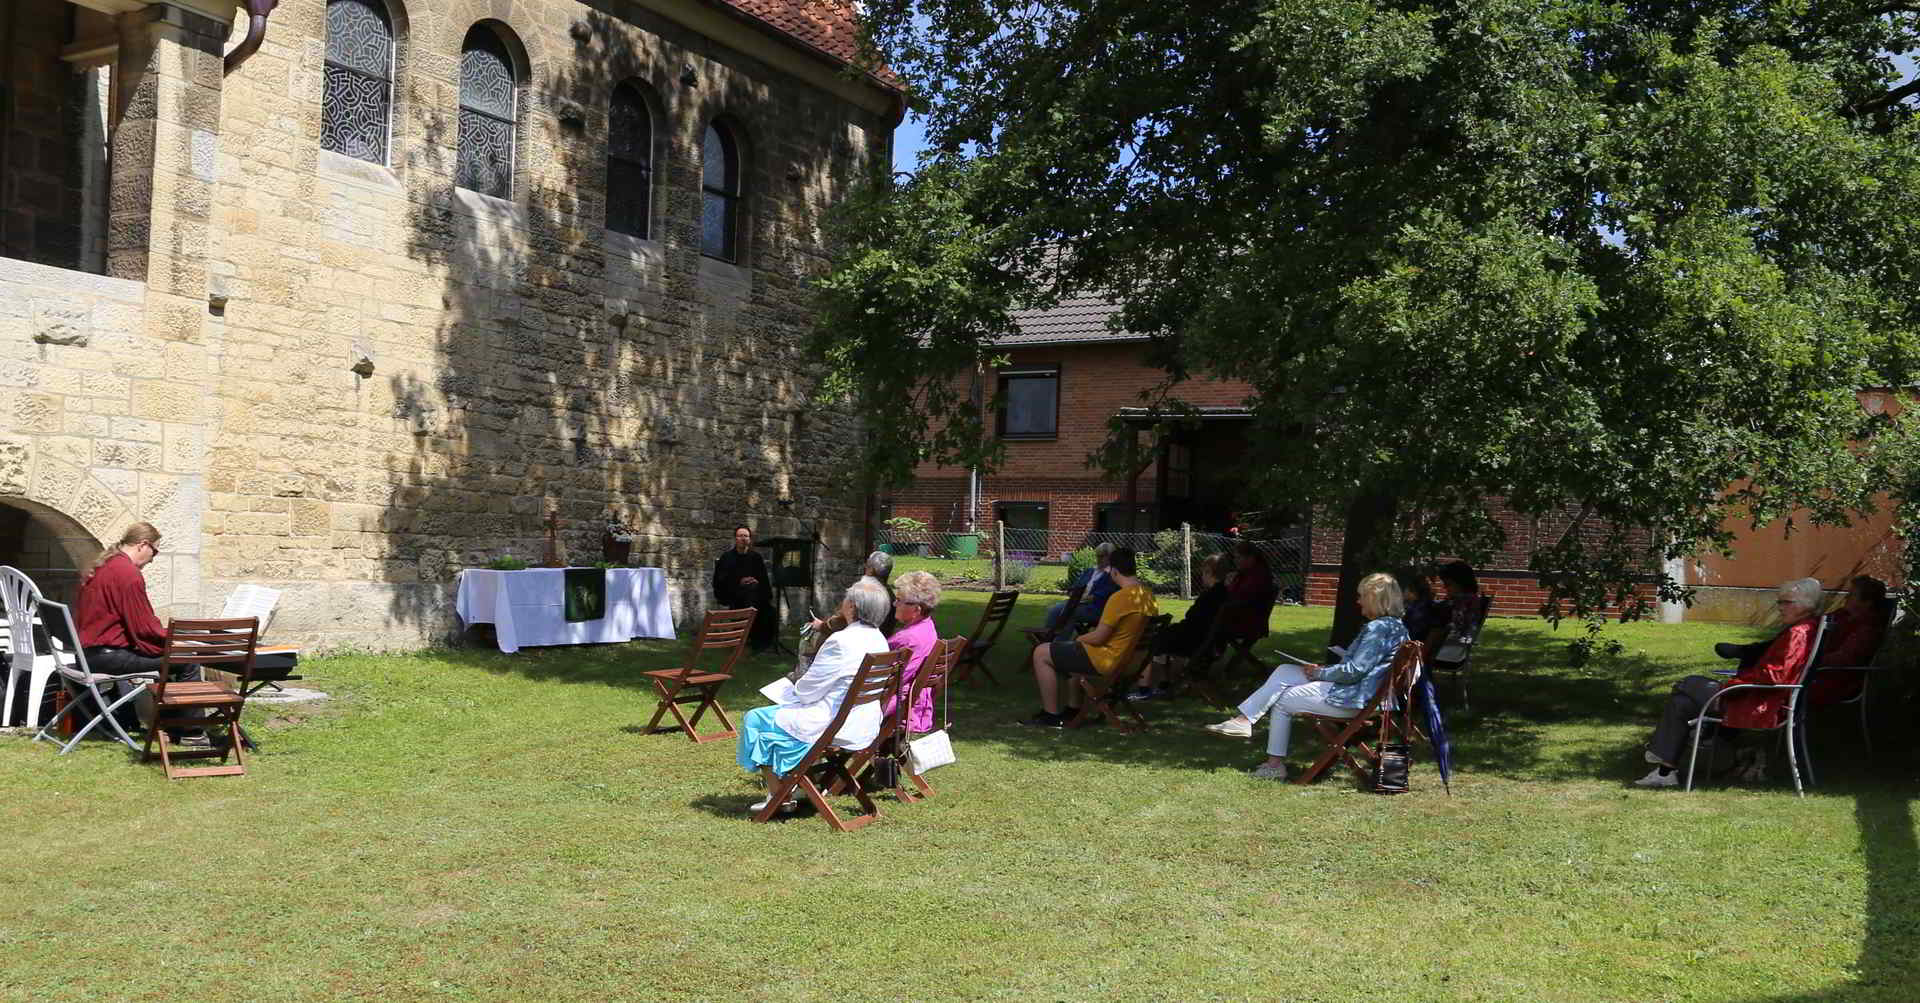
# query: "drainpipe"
257 11
973 472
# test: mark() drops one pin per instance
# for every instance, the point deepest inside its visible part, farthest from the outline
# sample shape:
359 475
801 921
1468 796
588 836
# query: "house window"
720 191
356 112
488 100
629 162
1029 403
1026 524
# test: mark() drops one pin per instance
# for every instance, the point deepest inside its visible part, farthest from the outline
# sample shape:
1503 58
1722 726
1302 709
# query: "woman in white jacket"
774 739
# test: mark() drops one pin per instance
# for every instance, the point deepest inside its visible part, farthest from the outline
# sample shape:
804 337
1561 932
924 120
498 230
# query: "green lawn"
470 825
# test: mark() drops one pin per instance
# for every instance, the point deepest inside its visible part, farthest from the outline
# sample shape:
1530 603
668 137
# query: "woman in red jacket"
1783 662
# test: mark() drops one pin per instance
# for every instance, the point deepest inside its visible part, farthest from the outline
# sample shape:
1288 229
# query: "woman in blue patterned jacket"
1332 690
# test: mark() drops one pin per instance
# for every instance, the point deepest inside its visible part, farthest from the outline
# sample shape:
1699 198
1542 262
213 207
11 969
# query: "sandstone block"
37 412
16 456
174 505
311 518
126 455
167 400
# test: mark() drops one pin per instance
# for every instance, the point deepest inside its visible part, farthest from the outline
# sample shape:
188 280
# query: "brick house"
344 294
1068 375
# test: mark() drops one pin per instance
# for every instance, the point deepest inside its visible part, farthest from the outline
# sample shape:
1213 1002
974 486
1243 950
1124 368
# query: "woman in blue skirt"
777 738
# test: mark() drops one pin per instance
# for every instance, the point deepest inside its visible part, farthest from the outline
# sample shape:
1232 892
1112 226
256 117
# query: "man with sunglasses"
115 619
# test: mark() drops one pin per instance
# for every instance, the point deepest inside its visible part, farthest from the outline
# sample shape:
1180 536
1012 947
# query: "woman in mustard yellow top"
1100 650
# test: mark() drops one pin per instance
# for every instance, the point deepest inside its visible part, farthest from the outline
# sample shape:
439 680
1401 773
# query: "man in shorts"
1099 651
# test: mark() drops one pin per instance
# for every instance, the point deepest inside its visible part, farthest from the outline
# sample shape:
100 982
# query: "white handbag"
933 749
929 751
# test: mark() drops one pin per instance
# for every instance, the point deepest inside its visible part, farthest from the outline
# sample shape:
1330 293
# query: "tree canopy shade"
1629 261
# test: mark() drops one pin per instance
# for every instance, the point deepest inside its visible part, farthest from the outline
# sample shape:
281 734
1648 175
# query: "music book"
779 691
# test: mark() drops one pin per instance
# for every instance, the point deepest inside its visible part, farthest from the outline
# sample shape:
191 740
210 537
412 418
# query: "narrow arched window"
488 101
356 107
629 162
720 188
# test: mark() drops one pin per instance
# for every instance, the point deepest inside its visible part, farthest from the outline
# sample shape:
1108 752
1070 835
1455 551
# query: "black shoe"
1725 650
1045 720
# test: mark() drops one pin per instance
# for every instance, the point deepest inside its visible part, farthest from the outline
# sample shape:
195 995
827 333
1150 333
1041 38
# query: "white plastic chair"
19 604
1793 722
81 681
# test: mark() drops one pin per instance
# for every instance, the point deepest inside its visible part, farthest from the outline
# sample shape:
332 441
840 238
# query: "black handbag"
1390 773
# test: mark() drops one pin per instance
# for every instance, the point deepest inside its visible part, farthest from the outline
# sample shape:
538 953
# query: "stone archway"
50 546
72 512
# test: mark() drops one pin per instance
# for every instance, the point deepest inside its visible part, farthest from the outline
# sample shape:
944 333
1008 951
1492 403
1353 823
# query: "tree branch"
1890 98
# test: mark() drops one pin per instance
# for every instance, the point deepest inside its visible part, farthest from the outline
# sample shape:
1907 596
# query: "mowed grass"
470 825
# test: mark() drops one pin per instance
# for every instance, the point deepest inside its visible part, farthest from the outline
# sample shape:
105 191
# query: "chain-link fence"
1048 558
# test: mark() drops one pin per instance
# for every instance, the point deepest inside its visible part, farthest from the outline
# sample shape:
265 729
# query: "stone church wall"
369 378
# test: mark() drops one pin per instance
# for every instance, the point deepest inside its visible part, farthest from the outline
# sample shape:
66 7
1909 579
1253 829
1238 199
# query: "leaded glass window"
720 188
487 101
356 106
629 162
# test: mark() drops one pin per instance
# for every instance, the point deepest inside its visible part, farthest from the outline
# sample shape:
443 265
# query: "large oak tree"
1628 261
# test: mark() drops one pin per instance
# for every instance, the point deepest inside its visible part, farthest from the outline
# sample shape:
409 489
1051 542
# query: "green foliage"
508 563
1593 646
1080 564
1018 572
1631 261
906 525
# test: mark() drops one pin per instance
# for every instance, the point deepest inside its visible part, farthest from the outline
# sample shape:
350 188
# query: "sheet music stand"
790 562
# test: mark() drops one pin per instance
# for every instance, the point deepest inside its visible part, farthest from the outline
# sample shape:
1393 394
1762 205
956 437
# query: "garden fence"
1160 553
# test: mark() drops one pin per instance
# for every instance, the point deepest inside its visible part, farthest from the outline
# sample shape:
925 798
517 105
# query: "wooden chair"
993 620
225 645
1390 711
1046 635
1455 654
895 731
879 675
724 630
1104 697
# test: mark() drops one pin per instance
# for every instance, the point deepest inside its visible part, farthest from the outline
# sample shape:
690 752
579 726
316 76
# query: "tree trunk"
1369 530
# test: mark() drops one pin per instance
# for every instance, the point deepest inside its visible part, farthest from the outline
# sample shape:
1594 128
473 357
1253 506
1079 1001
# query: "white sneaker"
1232 727
1655 779
761 805
1266 771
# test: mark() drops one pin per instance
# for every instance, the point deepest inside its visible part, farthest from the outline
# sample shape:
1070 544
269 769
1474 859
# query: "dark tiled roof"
826 25
1076 320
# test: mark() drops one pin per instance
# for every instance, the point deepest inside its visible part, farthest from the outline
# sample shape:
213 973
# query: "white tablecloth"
527 607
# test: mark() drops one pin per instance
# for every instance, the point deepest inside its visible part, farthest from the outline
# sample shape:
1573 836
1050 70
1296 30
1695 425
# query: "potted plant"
905 530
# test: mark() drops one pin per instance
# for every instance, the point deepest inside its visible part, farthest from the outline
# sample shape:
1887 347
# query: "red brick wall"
1514 593
1096 381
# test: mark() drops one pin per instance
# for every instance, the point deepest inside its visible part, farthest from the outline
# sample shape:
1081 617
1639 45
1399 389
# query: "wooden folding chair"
226 645
993 620
879 675
1390 711
894 731
1046 635
724 630
1104 697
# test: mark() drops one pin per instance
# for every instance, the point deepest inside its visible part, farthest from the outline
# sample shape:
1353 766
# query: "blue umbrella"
1436 729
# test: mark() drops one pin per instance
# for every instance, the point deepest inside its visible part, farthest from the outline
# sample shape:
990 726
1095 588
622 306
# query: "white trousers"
1287 692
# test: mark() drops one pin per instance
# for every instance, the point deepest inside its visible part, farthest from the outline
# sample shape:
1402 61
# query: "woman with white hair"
915 594
775 739
1784 660
1331 690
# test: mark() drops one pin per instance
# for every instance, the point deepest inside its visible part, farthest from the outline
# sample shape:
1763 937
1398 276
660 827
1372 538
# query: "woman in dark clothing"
740 581
1183 639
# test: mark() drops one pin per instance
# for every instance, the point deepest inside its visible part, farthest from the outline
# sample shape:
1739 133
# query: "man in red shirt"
118 629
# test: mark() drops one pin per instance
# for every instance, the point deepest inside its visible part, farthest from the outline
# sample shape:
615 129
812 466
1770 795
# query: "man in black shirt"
741 581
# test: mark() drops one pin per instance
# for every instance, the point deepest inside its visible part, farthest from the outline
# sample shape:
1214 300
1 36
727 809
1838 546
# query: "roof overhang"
1150 416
